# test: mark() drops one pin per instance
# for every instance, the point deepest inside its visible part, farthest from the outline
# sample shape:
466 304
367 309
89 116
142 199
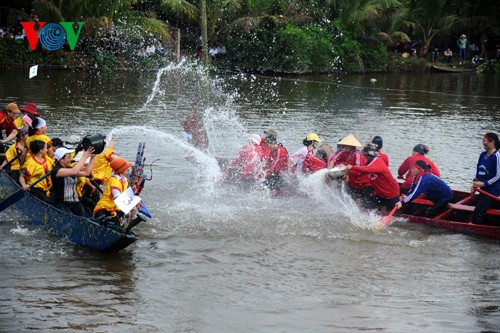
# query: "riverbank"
18 55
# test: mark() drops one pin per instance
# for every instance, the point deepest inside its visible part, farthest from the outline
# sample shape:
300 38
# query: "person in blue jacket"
434 188
487 176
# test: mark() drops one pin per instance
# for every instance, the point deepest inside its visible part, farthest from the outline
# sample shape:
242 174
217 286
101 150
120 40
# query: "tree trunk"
178 44
423 50
204 42
484 51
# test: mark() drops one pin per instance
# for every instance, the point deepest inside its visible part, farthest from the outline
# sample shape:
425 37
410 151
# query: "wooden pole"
178 44
204 34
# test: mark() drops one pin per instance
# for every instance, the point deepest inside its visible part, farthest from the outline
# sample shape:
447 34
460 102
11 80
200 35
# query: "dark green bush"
285 48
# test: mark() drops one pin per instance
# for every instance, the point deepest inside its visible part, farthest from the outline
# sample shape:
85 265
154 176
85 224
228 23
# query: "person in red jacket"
385 186
347 152
313 163
359 185
275 164
264 144
378 141
247 166
417 155
7 122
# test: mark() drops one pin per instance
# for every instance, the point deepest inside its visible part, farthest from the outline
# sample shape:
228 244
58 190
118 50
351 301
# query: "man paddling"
385 186
487 177
433 187
7 118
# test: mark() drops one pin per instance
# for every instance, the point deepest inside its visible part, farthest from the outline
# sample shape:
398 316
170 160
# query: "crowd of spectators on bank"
464 50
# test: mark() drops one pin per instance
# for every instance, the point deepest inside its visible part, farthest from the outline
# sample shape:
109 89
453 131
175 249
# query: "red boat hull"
457 217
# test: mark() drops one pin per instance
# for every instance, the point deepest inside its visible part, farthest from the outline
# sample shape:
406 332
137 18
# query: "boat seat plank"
471 209
423 202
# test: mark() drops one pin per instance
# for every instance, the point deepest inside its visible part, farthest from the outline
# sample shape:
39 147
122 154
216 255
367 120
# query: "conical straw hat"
350 140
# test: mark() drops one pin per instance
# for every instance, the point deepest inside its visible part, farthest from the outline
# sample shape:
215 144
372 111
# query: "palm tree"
75 10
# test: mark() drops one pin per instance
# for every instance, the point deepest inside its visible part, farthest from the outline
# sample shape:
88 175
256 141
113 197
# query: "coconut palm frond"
246 24
399 35
183 7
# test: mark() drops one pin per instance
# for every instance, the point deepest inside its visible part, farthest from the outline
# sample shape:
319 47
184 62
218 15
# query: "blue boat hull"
76 229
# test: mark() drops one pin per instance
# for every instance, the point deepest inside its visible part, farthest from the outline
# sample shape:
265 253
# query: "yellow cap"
313 137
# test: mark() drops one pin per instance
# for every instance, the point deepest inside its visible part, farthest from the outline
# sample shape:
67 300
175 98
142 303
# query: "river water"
219 259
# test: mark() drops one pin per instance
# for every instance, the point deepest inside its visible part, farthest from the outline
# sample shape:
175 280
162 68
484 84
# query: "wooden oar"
19 194
388 219
93 182
12 161
487 193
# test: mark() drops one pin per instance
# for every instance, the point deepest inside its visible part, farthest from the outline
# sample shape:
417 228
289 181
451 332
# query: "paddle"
388 219
93 182
11 161
19 194
487 193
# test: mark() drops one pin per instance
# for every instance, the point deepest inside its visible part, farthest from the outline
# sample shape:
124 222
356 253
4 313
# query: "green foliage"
289 36
105 59
491 66
135 26
284 48
12 52
303 49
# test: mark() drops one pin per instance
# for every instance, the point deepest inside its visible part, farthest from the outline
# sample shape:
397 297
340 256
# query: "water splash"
186 193
156 86
18 230
333 196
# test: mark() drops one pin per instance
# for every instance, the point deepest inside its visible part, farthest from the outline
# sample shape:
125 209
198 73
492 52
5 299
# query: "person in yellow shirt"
16 154
29 112
35 167
102 169
118 182
37 131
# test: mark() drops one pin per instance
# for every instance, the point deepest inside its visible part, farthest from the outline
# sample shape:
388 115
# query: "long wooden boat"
76 229
457 217
449 69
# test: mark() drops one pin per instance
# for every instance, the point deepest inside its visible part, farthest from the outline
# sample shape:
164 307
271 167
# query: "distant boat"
449 69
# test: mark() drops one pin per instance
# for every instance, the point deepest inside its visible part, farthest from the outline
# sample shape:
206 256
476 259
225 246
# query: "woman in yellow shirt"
16 154
117 183
37 131
35 167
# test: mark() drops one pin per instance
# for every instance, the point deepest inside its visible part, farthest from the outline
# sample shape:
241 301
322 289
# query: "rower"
378 141
64 179
385 186
7 122
275 164
264 144
37 166
297 159
487 177
246 168
359 185
106 208
433 187
16 155
418 153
